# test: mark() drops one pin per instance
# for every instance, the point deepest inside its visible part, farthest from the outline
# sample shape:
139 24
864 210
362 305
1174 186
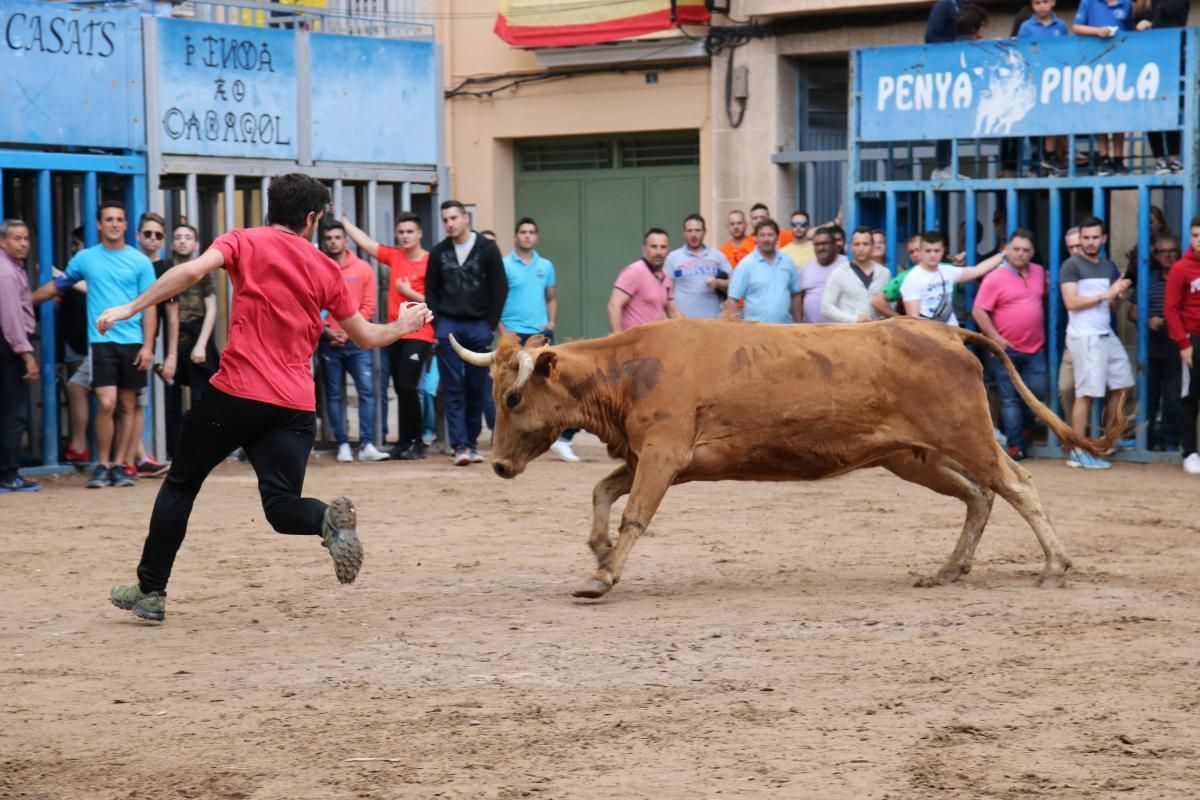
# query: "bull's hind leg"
654 475
611 487
1014 483
946 477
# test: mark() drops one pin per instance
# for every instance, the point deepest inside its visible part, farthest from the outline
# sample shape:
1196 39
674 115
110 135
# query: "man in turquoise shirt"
115 273
767 280
532 304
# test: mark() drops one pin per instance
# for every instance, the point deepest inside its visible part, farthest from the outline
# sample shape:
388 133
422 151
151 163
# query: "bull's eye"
513 400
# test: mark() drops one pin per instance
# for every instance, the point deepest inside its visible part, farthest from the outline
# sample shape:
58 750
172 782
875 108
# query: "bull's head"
531 402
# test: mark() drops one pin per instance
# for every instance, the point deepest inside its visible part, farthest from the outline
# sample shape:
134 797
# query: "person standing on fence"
262 398
1182 311
18 365
1104 19
339 354
409 356
1156 15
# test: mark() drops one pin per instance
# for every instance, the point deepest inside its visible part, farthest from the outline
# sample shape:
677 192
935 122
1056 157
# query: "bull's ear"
547 364
535 341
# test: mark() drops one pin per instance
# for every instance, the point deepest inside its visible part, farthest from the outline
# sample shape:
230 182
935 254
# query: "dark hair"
453 204
655 232
766 223
1022 233
861 229
825 231
800 212
195 232
933 237
836 230
152 216
696 218
292 197
1166 237
1092 222
77 233
757 206
970 19
332 225
1195 223
408 216
879 232
526 221
110 204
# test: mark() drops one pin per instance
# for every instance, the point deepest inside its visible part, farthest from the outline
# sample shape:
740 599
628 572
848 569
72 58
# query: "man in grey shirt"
700 273
1092 287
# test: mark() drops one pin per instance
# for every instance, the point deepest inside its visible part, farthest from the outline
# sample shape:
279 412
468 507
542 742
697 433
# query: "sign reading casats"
373 100
226 90
1021 87
71 75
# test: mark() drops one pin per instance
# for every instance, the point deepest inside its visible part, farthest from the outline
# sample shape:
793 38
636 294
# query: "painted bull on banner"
710 400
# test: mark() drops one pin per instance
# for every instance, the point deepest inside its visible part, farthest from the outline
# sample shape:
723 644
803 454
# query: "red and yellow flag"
562 23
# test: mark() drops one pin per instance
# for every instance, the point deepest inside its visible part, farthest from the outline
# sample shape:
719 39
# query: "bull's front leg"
613 486
656 471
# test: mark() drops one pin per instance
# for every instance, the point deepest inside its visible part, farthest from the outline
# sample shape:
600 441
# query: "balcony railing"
387 19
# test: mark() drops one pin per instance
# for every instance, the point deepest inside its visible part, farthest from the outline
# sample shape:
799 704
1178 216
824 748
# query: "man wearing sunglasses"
152 234
800 249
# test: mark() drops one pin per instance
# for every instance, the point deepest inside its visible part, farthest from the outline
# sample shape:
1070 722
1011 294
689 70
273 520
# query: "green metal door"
593 199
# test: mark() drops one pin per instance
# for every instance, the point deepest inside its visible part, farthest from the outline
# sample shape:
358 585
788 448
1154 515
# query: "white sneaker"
563 450
344 455
1191 464
368 453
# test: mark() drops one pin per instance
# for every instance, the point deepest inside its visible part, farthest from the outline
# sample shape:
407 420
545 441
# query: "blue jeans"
1015 416
464 387
522 338
335 361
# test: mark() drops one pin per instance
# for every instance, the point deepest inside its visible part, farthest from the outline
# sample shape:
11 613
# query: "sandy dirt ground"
767 641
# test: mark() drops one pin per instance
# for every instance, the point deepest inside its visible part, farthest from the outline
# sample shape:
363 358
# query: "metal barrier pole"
970 245
1053 302
46 314
889 223
931 220
1143 316
372 231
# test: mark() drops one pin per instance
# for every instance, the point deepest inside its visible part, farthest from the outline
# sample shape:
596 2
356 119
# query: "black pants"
14 409
407 359
1162 383
277 441
1164 143
189 374
1189 404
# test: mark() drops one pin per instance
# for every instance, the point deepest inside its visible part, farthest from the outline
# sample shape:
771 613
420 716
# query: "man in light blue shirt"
532 305
115 275
697 272
767 280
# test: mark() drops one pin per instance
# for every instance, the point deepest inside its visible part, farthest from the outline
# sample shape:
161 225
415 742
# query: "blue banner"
226 90
71 75
373 100
1021 87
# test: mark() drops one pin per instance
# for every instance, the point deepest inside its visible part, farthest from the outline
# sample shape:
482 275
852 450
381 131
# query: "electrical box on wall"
740 88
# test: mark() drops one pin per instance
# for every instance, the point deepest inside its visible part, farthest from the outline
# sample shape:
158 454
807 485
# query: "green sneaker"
147 605
339 536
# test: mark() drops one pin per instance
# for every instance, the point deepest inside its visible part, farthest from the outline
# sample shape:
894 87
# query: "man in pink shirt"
262 398
643 291
339 355
1008 310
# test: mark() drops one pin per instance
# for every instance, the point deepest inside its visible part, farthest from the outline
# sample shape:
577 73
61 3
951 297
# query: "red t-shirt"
402 267
280 284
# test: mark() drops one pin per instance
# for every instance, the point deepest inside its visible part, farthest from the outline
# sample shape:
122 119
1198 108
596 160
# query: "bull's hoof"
592 589
943 577
1052 580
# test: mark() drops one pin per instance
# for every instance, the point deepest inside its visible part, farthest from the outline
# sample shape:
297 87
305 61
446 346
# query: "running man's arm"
173 281
369 335
360 238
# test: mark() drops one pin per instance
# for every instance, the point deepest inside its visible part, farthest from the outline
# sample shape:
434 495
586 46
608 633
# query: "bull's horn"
524 369
470 356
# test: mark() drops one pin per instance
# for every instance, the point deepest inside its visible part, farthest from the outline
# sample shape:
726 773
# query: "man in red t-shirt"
410 355
262 398
1181 308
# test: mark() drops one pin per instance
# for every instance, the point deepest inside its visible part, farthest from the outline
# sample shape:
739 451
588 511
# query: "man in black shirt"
465 288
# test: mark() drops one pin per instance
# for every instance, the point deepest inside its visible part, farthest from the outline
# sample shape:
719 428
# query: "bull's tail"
1066 434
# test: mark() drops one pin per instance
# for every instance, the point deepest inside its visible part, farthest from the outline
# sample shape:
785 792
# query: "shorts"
112 365
82 376
1101 364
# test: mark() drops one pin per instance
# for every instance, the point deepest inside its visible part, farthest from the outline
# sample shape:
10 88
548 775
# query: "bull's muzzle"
504 469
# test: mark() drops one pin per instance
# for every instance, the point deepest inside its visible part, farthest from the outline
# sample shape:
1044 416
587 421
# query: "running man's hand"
111 316
414 316
144 358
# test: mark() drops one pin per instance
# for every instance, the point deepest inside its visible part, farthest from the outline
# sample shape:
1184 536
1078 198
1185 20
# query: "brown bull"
708 400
